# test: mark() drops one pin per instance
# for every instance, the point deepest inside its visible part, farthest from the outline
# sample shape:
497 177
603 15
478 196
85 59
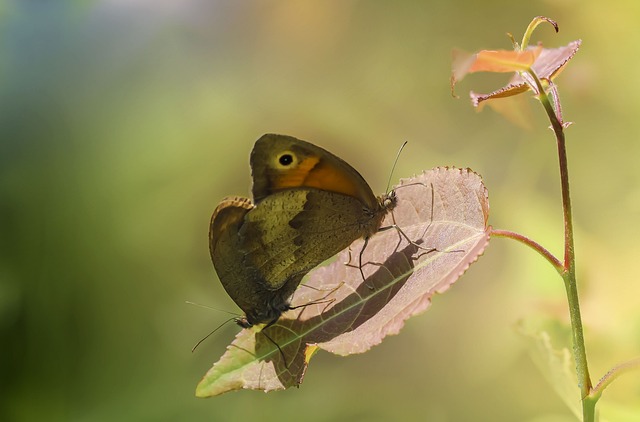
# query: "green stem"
569 275
589 408
533 25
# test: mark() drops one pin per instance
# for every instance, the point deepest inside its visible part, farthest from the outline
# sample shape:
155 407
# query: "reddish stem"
533 245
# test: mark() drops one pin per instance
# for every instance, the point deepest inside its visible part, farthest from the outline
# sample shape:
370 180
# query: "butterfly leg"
322 300
330 289
349 264
401 233
424 233
364 246
269 324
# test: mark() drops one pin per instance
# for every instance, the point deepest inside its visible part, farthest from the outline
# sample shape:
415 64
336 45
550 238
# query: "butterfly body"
308 206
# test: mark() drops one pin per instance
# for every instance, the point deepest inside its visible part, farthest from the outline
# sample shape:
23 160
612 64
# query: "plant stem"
614 373
533 25
533 245
569 274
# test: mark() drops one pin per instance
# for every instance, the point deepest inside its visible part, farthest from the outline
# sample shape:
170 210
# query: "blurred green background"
124 122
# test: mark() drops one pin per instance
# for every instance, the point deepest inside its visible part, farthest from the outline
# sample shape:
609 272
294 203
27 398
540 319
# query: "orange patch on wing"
316 173
295 177
326 177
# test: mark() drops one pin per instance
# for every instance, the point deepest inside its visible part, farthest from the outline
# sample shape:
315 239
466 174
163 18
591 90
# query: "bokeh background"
124 122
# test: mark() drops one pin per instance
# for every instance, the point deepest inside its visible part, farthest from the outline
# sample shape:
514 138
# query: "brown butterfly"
308 206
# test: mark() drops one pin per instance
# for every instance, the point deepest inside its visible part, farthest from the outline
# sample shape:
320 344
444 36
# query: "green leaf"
557 365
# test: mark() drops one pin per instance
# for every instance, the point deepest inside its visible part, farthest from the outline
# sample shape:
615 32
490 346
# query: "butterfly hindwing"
303 235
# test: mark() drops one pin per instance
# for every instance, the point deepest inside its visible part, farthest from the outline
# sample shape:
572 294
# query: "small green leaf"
557 365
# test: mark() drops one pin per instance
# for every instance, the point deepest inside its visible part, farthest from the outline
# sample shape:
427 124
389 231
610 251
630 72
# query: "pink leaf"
548 66
340 312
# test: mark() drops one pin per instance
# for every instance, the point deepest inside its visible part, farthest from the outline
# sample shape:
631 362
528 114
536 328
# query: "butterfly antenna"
394 164
209 335
188 302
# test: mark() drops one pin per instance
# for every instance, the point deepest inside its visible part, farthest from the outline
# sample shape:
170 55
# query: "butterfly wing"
246 286
292 231
224 243
280 162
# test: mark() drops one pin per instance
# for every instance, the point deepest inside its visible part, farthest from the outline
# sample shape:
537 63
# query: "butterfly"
308 205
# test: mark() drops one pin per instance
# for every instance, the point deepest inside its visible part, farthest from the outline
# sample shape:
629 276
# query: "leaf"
547 66
557 365
496 61
338 311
